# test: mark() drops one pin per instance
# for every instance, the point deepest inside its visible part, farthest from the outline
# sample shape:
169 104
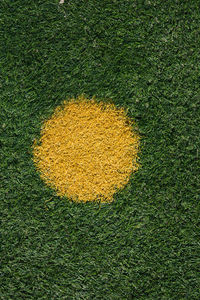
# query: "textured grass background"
144 55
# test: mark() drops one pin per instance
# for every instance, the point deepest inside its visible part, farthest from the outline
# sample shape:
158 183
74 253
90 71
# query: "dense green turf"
144 55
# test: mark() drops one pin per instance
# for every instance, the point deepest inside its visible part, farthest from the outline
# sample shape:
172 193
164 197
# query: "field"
143 56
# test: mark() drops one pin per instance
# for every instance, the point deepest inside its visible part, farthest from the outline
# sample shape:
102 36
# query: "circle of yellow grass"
87 150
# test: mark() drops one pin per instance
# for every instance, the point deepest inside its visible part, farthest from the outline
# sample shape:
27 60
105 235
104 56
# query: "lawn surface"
144 56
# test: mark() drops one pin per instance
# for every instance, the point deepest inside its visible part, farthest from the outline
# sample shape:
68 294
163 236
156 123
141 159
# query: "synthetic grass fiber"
87 150
142 56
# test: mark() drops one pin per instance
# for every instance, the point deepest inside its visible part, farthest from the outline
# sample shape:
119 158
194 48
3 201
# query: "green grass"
144 55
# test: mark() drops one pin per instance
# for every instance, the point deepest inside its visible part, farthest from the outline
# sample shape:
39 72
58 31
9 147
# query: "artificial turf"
143 56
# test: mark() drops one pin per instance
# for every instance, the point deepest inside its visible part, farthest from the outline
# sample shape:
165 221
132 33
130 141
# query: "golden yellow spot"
87 150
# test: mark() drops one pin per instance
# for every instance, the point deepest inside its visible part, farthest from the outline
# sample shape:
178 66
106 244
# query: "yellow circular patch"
87 150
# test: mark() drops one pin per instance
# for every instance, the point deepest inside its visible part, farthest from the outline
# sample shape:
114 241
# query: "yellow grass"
87 150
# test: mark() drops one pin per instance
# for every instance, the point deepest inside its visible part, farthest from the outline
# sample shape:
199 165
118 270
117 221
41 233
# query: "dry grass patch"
87 150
